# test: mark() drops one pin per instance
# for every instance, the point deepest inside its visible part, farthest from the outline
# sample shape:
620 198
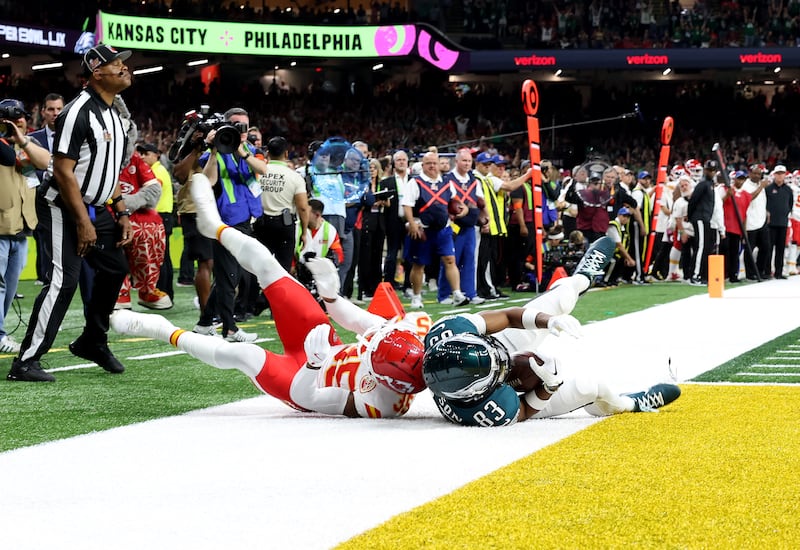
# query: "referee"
83 216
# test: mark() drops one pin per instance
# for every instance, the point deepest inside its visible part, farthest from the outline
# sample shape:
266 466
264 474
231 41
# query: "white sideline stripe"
787 352
246 474
768 373
774 366
157 355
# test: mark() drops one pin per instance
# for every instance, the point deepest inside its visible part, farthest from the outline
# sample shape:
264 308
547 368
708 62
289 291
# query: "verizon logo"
647 59
535 60
759 57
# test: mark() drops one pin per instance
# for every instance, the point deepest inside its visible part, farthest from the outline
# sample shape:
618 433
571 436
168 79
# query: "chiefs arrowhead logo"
368 383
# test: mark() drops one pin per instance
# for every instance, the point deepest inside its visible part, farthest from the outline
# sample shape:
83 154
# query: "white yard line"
255 474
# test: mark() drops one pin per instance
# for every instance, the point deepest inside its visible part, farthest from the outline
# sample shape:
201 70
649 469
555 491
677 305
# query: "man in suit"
394 215
51 107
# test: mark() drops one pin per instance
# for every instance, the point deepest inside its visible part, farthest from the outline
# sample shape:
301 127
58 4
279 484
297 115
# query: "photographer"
21 157
232 169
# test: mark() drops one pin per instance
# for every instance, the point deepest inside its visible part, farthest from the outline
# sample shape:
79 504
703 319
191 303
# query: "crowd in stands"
492 24
633 24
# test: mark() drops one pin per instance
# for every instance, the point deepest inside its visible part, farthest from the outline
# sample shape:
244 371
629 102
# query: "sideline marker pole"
530 103
661 180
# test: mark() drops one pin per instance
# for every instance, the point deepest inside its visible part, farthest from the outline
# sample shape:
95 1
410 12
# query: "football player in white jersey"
376 377
483 371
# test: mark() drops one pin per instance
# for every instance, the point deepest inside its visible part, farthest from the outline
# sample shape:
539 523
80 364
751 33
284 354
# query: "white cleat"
208 220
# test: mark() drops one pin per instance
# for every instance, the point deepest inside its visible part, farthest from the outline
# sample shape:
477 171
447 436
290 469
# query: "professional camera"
8 112
565 254
227 139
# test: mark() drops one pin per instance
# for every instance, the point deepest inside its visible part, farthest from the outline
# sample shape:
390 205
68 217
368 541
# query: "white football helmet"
677 171
695 169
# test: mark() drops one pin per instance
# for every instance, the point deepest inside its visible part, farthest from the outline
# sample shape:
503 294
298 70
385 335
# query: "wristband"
247 156
529 318
115 200
122 213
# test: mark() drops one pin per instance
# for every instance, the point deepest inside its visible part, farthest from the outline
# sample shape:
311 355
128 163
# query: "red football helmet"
395 357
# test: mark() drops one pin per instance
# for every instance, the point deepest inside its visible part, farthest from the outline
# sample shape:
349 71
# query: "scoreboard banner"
222 37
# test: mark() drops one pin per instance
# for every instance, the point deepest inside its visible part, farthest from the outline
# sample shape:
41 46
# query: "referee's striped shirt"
90 132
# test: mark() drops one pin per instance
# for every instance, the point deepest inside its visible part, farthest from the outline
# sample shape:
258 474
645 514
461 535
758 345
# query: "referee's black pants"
51 305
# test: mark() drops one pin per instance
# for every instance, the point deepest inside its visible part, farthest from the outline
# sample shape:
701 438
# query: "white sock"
208 221
253 256
247 358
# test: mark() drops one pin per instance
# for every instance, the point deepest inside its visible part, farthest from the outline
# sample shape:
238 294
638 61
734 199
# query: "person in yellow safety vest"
322 241
643 194
494 228
618 232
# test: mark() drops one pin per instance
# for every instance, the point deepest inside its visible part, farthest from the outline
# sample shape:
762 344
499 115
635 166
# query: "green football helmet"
465 367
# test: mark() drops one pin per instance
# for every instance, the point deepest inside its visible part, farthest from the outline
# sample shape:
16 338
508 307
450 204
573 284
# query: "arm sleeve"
147 197
470 219
306 392
351 317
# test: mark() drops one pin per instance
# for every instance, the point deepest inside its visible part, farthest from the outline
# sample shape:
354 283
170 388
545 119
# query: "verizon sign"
535 61
759 58
647 59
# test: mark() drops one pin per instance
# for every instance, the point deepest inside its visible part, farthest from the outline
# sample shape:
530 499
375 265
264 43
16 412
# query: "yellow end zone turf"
719 468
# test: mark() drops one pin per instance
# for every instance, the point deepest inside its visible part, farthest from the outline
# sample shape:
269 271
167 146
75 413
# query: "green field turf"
89 399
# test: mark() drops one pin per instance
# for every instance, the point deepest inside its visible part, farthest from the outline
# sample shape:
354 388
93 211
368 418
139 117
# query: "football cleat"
654 398
595 261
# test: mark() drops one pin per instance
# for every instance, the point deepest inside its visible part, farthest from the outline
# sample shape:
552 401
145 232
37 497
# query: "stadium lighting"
276 67
6 55
149 70
293 64
56 65
377 67
769 82
559 72
776 70
666 71
197 62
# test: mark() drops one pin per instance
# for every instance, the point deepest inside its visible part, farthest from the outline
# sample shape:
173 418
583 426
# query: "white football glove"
564 323
325 275
317 345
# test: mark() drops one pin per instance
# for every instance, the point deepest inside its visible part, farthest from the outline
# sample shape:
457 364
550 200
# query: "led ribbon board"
147 33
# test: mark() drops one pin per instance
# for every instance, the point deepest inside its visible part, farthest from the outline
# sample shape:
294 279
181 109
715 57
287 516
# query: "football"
454 206
521 377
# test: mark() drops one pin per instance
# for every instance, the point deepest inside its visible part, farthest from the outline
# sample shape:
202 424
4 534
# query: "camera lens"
4 130
227 139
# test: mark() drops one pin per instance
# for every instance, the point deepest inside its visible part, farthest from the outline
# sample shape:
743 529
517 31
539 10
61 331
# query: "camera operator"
231 174
22 156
